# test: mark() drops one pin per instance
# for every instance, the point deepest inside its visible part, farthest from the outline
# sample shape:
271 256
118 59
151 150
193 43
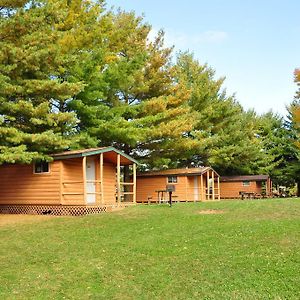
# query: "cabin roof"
244 178
180 172
93 151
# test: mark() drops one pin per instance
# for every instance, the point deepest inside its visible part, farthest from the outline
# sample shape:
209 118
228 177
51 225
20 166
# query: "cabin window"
172 179
41 167
246 183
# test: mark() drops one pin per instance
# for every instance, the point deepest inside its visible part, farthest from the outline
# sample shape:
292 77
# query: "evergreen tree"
276 137
33 57
295 108
293 161
130 99
225 136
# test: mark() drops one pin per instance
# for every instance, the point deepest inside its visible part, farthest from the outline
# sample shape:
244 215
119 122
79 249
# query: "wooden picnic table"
161 195
247 195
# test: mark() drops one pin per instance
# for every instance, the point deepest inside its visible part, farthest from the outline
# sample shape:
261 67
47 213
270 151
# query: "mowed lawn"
246 250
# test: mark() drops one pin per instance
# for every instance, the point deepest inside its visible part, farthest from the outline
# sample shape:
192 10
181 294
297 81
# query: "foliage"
226 135
293 162
276 142
31 59
75 75
237 254
295 108
130 100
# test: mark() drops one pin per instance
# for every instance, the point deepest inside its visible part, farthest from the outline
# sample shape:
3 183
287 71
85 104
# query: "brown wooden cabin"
194 184
249 186
75 182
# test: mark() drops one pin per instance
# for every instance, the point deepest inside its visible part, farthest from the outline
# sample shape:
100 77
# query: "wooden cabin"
75 182
194 184
248 186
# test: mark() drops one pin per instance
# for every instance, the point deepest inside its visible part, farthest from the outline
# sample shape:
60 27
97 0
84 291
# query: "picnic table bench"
161 196
247 195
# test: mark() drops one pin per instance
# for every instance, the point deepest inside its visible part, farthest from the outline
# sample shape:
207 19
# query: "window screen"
41 167
172 179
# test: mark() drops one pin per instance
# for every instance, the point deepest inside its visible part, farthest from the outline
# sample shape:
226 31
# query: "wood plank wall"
147 187
72 178
19 185
73 172
109 183
185 188
232 189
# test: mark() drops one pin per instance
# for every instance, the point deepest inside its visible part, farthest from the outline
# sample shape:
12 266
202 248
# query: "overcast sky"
254 44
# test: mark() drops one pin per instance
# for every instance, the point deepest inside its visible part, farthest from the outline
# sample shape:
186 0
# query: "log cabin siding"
62 185
73 172
72 182
109 183
19 185
233 189
147 187
189 187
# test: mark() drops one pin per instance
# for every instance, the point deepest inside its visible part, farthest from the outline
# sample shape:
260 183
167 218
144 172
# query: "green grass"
251 251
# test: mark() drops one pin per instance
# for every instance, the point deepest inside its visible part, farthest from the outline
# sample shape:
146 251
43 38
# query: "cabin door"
196 189
91 180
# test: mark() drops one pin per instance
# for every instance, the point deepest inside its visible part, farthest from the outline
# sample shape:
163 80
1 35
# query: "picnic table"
161 195
247 195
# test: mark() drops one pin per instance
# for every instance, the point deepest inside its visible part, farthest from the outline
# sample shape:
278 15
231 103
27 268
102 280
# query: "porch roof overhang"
111 152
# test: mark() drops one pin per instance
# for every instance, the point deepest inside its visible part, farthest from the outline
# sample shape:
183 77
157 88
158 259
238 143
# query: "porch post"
207 190
84 177
61 183
134 183
213 184
101 178
202 187
119 179
219 197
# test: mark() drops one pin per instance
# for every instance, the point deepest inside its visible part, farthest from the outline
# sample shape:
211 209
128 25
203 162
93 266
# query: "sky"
254 44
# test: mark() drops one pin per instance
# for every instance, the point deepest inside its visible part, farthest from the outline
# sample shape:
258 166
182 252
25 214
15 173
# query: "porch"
96 177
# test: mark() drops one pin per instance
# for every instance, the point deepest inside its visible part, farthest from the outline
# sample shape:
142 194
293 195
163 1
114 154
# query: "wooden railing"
122 185
81 182
190 194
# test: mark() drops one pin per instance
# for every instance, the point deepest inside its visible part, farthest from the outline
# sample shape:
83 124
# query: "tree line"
75 74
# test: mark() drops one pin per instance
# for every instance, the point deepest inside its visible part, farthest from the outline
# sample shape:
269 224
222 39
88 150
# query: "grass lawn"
249 250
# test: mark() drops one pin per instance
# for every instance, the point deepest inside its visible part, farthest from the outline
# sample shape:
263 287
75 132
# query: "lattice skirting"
57 210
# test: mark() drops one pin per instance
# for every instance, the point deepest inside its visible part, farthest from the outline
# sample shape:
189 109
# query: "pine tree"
295 107
276 136
130 99
225 136
33 58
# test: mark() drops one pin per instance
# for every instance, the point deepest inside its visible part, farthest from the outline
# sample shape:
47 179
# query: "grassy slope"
252 251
